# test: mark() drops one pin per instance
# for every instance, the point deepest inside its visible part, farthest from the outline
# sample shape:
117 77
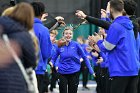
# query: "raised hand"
43 18
80 14
59 18
108 8
95 54
103 13
61 42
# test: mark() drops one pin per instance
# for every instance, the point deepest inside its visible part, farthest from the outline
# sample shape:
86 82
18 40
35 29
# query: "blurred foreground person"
16 26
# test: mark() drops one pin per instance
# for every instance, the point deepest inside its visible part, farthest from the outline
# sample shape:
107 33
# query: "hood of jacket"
124 21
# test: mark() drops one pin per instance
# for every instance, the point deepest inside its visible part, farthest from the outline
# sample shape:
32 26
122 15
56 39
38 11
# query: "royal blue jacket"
45 45
54 51
138 47
121 45
70 55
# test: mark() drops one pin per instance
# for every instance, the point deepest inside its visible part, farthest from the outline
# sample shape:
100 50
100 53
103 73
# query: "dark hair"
138 19
130 6
117 5
39 8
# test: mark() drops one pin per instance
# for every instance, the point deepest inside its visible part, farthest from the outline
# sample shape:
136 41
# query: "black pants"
124 84
46 81
84 70
104 80
43 82
139 84
98 78
68 83
54 78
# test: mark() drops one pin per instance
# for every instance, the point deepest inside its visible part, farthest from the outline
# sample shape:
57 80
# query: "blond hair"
54 32
68 28
8 11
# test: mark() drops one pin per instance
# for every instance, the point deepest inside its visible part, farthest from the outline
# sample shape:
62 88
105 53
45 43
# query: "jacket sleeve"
98 22
50 23
110 42
83 55
45 44
55 58
103 55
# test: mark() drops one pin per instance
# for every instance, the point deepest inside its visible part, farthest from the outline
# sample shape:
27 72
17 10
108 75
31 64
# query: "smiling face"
68 35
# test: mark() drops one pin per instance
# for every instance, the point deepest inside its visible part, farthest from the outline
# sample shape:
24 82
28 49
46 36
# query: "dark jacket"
11 78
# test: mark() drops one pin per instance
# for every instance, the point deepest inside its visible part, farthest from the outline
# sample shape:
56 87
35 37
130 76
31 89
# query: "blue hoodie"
45 45
70 55
121 45
138 47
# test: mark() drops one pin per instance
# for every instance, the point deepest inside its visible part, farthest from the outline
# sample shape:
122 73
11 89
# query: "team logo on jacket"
72 47
61 49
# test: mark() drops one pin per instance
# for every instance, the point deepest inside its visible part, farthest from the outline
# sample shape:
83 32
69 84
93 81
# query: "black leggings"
84 70
68 83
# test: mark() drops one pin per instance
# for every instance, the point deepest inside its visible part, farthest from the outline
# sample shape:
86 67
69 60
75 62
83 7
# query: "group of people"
114 50
120 45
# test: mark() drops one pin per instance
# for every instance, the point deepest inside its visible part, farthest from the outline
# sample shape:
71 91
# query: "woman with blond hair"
69 63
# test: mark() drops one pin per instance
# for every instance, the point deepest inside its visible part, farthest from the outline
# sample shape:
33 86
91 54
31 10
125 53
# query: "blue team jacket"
121 45
45 45
138 47
69 61
54 51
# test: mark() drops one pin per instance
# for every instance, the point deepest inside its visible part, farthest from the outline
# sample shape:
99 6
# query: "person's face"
111 14
68 35
102 32
52 37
